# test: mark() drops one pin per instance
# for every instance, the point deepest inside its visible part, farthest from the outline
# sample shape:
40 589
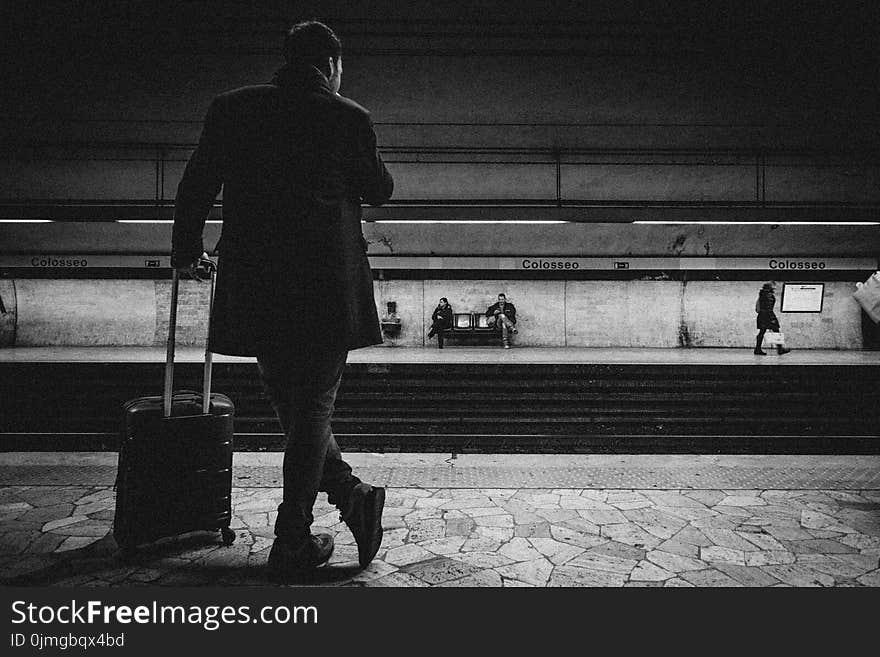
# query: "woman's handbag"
868 296
773 339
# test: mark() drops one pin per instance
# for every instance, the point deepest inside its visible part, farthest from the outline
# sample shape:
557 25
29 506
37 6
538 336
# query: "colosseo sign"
85 261
797 264
545 264
570 264
781 263
59 261
521 263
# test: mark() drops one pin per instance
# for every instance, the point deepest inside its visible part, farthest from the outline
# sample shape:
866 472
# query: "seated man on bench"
502 316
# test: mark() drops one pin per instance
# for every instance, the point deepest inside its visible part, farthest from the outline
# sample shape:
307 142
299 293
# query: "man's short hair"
311 43
501 294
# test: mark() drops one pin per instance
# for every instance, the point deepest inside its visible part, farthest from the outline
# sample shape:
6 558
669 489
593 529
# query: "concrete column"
8 313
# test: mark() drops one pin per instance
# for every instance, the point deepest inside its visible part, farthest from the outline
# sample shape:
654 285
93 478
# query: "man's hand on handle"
199 269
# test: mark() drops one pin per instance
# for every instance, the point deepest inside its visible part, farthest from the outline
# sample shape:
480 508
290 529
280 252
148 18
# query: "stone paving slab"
472 537
482 520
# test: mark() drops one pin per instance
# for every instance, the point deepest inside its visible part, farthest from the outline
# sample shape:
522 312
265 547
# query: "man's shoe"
287 559
782 350
759 352
364 519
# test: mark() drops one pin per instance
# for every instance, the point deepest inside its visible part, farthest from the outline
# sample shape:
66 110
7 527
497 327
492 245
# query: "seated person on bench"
502 316
441 318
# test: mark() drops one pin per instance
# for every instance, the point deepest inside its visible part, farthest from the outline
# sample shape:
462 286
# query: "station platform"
481 520
467 355
788 504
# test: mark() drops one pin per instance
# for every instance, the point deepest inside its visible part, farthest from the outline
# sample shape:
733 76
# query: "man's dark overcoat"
509 310
294 161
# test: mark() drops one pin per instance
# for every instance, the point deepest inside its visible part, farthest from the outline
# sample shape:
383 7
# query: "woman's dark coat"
442 317
767 320
295 161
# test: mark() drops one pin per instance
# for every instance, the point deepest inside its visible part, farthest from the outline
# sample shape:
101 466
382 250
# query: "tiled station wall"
552 313
627 313
645 312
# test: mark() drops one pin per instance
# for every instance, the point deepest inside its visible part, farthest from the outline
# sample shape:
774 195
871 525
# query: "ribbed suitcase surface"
175 473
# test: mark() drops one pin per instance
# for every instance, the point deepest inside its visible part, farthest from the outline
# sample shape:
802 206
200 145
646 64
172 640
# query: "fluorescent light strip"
512 221
158 221
380 221
764 223
467 221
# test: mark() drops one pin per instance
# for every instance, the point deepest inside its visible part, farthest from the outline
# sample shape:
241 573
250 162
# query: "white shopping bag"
772 339
868 296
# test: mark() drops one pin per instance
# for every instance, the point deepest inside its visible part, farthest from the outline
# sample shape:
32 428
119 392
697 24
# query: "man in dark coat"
294 288
502 315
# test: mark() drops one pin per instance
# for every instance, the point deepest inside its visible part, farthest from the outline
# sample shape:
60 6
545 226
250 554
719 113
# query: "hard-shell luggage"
175 462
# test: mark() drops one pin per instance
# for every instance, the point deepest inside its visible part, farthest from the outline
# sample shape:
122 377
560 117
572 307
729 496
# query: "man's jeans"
302 382
505 324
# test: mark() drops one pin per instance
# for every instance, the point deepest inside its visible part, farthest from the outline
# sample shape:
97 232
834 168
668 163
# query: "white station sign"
551 264
565 264
802 297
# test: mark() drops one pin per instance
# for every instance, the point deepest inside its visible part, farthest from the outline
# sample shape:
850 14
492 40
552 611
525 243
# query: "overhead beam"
571 211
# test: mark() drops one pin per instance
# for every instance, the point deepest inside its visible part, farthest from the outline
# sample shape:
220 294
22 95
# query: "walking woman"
767 320
441 319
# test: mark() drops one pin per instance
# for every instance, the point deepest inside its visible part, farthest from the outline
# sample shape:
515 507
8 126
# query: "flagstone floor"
451 536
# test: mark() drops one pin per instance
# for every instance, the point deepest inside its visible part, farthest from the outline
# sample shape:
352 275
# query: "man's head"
311 43
502 298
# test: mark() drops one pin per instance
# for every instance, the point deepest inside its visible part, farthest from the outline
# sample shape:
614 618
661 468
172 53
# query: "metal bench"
472 327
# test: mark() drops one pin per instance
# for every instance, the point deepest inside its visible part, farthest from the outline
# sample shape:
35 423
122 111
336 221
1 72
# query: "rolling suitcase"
174 472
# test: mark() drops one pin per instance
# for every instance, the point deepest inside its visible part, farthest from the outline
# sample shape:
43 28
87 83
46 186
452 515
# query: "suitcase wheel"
228 536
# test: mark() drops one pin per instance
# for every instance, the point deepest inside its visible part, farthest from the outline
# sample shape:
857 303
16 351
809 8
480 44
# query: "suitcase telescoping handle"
172 331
